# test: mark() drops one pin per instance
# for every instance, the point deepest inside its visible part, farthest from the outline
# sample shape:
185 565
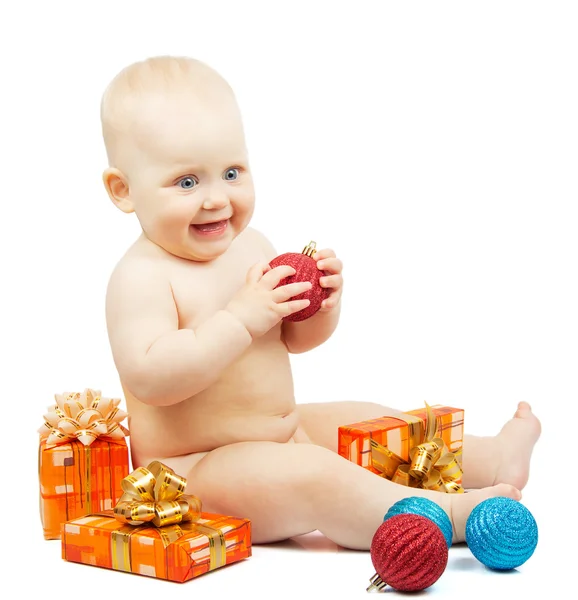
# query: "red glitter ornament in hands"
306 270
409 553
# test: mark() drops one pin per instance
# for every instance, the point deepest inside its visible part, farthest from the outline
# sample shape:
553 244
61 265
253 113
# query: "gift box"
421 448
83 457
158 531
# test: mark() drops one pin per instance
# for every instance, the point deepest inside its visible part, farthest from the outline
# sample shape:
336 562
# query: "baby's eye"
231 174
187 183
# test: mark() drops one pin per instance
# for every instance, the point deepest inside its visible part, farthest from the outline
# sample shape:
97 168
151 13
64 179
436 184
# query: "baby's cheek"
243 209
246 203
176 215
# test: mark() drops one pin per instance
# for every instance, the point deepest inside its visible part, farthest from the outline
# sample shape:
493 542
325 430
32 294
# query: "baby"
194 319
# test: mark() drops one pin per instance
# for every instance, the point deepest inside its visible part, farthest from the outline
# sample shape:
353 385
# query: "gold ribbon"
154 499
155 495
84 417
87 478
431 465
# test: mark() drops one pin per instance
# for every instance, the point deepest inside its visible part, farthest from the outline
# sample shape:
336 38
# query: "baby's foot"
515 444
461 505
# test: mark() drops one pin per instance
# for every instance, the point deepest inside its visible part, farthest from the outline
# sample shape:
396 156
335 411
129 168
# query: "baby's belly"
247 404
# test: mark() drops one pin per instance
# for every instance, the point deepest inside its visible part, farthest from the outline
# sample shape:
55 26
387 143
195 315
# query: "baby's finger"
332 301
288 308
274 276
324 253
327 304
255 273
331 281
284 292
332 264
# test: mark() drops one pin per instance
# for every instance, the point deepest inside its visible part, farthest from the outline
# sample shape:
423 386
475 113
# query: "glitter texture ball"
306 270
409 552
501 533
426 508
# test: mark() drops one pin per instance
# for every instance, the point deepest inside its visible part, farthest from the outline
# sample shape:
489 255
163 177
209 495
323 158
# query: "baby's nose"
215 198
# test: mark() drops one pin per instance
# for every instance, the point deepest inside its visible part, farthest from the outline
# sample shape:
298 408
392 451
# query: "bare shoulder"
262 241
136 275
140 308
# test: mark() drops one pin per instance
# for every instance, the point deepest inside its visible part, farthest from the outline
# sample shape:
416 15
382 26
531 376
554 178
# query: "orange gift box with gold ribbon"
421 448
157 530
83 456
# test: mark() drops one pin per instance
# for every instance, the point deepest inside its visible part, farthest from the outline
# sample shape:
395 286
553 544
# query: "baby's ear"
117 187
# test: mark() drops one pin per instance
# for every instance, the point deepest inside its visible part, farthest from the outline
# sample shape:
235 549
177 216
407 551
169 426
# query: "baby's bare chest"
202 289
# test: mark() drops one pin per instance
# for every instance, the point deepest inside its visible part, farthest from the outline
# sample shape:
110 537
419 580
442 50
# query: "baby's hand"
260 305
326 261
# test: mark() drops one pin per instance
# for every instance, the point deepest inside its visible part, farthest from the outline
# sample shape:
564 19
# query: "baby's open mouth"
213 228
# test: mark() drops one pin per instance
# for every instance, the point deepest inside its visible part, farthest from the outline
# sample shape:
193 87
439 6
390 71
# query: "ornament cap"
310 249
376 583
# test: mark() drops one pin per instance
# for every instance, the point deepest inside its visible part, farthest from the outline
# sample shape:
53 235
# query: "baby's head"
177 155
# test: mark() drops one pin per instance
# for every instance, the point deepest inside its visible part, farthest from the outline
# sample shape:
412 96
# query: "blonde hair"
146 81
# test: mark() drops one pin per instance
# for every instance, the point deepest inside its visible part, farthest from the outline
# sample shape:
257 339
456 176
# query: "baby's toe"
506 490
524 410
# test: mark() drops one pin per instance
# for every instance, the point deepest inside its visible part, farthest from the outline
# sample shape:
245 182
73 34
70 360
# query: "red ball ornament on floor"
306 270
409 553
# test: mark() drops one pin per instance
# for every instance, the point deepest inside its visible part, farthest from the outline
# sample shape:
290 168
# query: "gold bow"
82 416
155 495
431 465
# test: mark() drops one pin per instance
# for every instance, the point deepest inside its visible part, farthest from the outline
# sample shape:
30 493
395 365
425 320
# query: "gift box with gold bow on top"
82 459
157 530
421 448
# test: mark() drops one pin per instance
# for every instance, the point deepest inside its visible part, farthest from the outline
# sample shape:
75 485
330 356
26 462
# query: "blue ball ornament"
501 533
418 505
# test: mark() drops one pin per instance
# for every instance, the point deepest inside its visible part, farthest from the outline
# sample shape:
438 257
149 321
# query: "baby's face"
188 176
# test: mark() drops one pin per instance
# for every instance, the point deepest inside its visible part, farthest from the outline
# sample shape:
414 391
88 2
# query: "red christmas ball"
306 270
409 552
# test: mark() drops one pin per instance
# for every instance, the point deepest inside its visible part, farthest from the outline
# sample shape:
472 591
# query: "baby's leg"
291 489
504 458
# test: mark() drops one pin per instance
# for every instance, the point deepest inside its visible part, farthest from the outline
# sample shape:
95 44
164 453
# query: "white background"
433 145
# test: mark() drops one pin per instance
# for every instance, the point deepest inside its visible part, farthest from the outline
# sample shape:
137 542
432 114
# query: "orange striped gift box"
76 480
394 439
173 552
156 529
82 458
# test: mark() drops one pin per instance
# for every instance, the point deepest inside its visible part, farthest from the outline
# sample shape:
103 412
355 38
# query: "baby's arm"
158 362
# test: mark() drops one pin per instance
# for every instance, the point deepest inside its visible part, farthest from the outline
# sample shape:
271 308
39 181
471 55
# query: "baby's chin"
198 252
